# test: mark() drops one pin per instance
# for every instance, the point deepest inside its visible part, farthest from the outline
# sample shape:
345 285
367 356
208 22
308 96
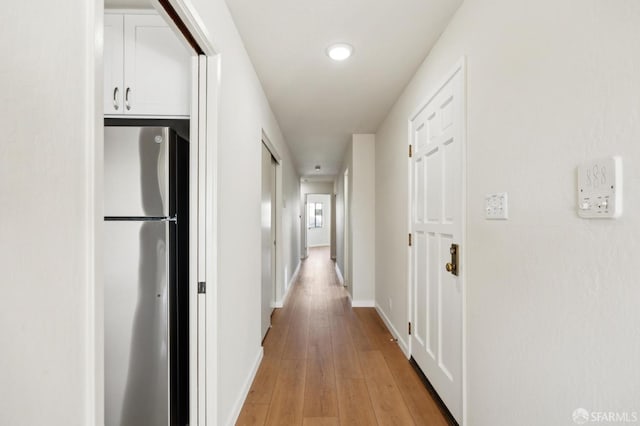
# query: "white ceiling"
320 103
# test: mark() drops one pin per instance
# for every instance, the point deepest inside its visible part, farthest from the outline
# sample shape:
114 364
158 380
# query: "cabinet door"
113 64
157 70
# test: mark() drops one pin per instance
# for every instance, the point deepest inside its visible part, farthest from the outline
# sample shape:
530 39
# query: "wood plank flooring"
328 364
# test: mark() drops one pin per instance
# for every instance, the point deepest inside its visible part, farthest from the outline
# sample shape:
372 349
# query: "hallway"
326 363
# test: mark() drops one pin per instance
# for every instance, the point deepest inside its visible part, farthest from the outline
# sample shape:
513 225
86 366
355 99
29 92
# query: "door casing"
347 232
269 190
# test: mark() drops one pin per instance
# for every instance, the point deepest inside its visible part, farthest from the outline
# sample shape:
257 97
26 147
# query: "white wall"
128 4
363 219
46 158
552 299
50 367
316 188
320 237
290 227
360 161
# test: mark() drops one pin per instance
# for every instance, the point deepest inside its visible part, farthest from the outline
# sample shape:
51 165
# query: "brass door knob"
449 267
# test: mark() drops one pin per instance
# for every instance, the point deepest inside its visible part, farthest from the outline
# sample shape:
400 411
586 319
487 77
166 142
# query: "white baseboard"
339 273
294 276
318 245
363 303
237 407
401 342
292 281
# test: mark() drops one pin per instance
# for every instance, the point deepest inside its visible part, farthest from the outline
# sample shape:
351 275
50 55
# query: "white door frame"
459 67
347 231
303 234
274 229
278 269
333 249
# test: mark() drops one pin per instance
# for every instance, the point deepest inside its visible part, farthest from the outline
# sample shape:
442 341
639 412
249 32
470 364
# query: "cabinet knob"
116 104
126 98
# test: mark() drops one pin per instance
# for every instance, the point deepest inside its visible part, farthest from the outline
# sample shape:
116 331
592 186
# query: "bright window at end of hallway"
315 215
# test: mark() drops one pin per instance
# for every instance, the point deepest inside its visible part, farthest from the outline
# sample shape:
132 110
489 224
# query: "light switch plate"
600 188
497 206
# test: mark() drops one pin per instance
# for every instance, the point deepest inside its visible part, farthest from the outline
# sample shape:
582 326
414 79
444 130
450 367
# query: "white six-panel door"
437 220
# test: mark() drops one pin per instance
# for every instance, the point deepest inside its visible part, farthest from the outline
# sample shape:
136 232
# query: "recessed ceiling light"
317 168
340 51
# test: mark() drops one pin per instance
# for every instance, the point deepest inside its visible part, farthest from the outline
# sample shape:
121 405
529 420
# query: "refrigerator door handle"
173 219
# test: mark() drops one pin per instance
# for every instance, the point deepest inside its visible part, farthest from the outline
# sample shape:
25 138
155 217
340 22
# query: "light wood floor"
326 363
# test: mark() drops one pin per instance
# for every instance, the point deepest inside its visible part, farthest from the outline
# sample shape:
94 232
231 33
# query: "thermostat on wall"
496 206
600 188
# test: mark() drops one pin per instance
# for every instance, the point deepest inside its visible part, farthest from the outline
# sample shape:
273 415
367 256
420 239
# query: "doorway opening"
317 214
319 220
173 26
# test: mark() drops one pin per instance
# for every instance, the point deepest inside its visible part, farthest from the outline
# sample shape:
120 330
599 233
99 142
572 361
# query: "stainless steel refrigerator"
145 274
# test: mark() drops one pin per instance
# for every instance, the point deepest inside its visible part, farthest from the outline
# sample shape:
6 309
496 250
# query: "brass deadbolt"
452 266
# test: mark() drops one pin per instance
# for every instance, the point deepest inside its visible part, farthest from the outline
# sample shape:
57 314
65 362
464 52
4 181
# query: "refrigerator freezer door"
136 339
136 171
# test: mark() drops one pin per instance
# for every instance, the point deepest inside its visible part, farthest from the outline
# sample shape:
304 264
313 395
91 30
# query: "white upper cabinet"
114 64
147 68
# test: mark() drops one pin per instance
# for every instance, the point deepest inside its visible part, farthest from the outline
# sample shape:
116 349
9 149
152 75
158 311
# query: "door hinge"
202 287
410 240
410 150
409 329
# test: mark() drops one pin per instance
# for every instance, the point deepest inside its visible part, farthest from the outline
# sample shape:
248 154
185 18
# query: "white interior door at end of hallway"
268 238
437 222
